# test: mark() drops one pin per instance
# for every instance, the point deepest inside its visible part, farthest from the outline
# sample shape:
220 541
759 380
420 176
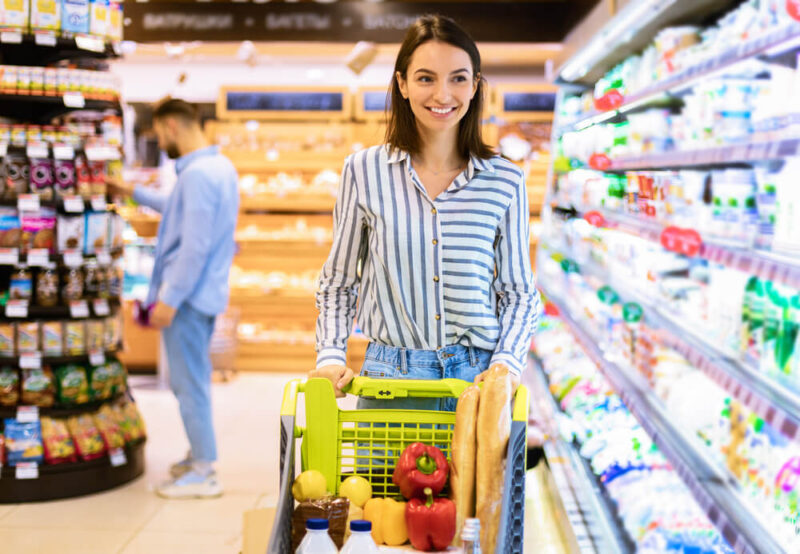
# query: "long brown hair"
401 131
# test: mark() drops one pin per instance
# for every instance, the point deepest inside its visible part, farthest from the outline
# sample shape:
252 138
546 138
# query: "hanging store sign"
384 22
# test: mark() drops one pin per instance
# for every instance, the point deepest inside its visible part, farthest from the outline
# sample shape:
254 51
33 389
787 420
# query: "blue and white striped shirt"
429 277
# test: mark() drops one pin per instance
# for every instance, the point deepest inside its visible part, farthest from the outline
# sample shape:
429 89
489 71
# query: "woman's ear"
401 84
475 82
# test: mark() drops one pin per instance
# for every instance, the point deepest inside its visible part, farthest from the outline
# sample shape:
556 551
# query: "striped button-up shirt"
429 278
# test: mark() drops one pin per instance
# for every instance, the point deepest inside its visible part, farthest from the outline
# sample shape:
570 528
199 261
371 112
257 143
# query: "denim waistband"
405 357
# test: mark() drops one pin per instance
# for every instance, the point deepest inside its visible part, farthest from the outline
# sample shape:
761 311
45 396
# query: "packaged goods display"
66 18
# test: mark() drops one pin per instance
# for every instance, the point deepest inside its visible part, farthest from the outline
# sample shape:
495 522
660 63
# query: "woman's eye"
425 79
460 79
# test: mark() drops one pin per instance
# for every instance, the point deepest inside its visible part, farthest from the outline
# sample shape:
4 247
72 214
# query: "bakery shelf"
592 512
778 41
714 489
45 108
63 411
722 156
291 203
70 480
772 266
47 48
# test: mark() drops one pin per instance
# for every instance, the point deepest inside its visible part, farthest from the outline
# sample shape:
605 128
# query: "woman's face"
439 85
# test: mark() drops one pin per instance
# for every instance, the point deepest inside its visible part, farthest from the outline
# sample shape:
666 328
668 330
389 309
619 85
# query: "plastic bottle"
471 536
317 540
360 541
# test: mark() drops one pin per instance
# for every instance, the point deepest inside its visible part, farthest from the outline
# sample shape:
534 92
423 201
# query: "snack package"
119 380
38 387
74 16
38 230
7 339
73 385
87 438
14 14
74 338
97 170
96 234
9 386
101 382
46 15
83 176
23 442
42 175
65 178
98 17
113 332
58 445
17 171
95 335
52 338
70 232
27 337
129 421
109 429
10 229
116 226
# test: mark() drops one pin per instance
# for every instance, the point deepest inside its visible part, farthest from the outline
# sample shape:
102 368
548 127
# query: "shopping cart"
334 442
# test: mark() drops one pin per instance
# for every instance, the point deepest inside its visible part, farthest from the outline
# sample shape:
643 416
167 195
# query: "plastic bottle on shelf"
471 536
360 541
756 300
776 304
792 338
317 540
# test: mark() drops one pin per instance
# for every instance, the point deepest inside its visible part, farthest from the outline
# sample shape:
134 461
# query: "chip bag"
73 386
118 377
38 387
87 438
23 442
129 421
9 386
109 428
101 382
58 445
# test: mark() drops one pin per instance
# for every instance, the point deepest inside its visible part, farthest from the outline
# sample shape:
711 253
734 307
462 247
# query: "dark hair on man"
401 131
177 108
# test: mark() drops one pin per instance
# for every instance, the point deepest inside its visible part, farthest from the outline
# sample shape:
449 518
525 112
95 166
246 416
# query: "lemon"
357 489
309 485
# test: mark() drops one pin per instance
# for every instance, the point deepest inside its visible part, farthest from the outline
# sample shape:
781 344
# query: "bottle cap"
360 525
316 524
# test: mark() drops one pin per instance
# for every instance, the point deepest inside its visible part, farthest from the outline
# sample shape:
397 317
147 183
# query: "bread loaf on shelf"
462 470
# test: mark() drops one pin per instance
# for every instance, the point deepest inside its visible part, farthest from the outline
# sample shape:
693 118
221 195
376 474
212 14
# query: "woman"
438 213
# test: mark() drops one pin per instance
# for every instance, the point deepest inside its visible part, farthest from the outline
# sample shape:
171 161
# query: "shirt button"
435 278
433 211
435 242
437 317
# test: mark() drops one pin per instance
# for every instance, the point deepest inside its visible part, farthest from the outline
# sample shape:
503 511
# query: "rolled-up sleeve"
338 284
518 304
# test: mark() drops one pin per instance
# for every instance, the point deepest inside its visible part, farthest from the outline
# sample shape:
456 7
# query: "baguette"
462 464
494 429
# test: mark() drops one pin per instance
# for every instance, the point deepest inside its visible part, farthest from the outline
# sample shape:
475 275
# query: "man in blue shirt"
189 286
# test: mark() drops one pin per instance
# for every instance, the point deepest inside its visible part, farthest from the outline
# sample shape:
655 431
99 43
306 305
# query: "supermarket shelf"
774 42
69 480
63 411
13 361
46 49
597 522
292 203
45 108
723 156
61 312
714 490
767 265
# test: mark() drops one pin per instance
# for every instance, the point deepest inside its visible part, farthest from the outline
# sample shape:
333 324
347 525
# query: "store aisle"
132 519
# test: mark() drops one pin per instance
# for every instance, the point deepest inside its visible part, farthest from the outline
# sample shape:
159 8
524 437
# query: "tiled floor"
132 519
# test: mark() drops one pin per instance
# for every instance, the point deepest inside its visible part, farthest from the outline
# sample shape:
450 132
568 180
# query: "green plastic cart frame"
368 442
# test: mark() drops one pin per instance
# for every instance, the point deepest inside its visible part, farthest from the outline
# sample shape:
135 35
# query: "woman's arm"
518 303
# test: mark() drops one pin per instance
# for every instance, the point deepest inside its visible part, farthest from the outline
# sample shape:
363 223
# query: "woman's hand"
339 375
515 379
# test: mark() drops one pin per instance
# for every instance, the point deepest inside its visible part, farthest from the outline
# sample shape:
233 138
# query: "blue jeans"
451 362
187 343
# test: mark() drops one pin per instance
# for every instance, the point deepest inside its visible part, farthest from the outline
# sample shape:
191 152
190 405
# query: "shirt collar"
475 163
184 161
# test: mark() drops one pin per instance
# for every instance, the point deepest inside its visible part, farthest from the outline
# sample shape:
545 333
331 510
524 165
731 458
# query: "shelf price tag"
79 309
11 37
17 308
30 360
9 256
93 44
63 152
45 38
74 100
73 258
101 307
73 204
27 470
28 414
99 203
97 357
103 257
37 150
118 457
28 203
39 257
3 149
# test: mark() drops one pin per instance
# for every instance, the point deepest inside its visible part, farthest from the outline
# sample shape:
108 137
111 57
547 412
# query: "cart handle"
387 389
290 392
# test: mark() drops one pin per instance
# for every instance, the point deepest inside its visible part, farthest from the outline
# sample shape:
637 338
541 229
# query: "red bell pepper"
431 523
418 467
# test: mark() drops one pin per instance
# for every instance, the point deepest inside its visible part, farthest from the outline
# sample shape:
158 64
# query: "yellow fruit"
357 489
309 485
